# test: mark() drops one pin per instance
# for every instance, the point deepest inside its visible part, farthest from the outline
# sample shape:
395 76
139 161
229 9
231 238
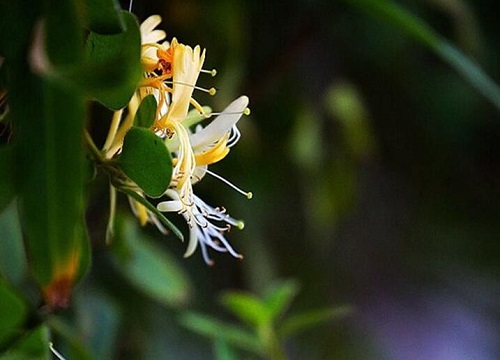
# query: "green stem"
272 345
95 154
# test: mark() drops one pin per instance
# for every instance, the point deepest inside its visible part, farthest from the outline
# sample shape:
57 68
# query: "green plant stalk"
424 34
271 343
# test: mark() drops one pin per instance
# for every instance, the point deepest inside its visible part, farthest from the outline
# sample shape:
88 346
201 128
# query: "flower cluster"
171 71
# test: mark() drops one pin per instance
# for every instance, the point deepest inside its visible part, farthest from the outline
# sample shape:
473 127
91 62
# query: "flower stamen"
248 194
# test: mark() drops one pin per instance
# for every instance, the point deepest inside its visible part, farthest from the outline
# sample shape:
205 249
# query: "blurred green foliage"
372 151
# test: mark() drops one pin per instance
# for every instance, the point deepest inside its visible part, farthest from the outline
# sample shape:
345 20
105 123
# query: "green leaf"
420 31
6 181
103 17
63 39
13 266
113 67
49 171
12 313
223 351
215 329
146 113
148 267
146 161
310 319
34 346
279 297
50 155
247 307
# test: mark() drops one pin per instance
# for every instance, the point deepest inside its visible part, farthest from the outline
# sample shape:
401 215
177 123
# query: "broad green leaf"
6 181
145 115
247 307
12 313
113 69
420 31
34 346
13 266
146 161
310 319
103 17
49 173
149 268
279 297
215 329
50 155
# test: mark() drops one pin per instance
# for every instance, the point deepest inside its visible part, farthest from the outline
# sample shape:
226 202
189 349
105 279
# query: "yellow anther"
212 72
240 225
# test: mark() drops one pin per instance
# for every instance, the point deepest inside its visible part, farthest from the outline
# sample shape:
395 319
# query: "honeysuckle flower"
171 71
210 145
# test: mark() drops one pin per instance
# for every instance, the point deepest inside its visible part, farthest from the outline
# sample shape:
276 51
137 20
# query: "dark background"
375 170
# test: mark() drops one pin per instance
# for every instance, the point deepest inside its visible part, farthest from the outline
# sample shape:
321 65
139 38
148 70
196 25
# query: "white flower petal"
199 173
155 36
149 24
169 206
220 126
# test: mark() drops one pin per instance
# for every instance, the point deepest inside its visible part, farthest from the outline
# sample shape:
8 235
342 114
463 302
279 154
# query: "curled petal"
148 32
220 126
193 241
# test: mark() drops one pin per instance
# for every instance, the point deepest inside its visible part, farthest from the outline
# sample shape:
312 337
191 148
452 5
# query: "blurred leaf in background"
265 327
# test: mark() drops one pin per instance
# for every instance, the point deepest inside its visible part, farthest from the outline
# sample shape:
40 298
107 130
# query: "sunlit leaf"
103 16
146 112
149 268
12 313
247 307
310 319
215 329
146 160
279 297
33 346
